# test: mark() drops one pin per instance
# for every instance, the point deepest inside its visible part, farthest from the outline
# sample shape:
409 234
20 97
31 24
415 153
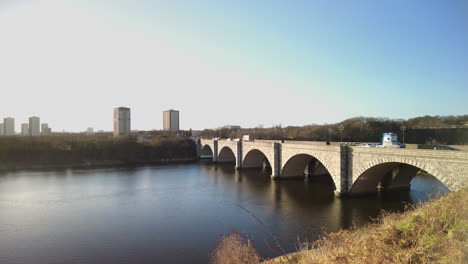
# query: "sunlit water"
169 214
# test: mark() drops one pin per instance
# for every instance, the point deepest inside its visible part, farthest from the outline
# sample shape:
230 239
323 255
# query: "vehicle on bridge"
389 140
248 138
437 147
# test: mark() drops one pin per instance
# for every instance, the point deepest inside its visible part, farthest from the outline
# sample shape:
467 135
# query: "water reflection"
310 208
169 214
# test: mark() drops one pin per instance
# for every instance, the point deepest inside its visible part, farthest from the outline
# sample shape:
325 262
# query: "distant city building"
25 129
121 121
89 130
8 126
34 126
1 129
45 129
171 120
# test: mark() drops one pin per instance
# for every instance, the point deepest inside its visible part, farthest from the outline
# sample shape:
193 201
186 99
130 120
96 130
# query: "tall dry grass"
234 248
435 232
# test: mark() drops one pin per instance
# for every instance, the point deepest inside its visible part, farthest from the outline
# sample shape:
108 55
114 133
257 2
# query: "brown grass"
435 232
234 248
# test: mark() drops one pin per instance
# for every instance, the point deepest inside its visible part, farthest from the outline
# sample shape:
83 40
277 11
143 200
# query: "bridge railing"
427 153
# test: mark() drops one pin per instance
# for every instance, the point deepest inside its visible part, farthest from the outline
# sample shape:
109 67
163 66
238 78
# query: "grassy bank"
434 232
72 151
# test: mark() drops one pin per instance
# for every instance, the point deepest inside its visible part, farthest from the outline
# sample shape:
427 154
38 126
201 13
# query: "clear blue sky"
231 62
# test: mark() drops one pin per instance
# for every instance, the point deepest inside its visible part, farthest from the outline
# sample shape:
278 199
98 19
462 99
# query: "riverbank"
94 165
434 232
31 153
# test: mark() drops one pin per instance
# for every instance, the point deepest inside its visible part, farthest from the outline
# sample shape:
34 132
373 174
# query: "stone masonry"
348 166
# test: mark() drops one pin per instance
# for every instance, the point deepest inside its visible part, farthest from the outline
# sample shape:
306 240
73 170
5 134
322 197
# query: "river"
169 214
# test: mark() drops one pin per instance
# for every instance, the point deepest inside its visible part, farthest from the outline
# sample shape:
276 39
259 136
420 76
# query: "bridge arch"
296 165
396 172
226 154
255 159
206 152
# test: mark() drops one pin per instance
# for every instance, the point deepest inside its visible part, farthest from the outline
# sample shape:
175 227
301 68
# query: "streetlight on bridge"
329 136
274 133
341 128
403 129
282 140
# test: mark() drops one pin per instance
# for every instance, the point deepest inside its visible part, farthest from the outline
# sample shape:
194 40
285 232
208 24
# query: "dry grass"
234 248
435 232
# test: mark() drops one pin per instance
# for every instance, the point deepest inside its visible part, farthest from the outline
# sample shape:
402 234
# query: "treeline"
80 149
451 130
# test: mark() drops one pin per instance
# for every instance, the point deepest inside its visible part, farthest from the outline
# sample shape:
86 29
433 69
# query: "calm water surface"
168 214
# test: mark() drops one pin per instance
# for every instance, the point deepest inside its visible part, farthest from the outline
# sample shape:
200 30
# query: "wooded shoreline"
19 153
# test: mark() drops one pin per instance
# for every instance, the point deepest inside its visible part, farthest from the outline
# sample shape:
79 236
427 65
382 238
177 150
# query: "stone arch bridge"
354 170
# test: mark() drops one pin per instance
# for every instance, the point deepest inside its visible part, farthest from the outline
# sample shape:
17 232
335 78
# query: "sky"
241 62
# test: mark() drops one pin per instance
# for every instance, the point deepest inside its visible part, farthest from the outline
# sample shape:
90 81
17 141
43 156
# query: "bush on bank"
63 150
434 232
234 248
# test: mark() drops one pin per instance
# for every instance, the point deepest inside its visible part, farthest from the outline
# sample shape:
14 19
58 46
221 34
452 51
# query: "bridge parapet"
462 155
258 143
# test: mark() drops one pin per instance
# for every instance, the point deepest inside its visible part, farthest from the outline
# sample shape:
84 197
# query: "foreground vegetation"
76 150
435 232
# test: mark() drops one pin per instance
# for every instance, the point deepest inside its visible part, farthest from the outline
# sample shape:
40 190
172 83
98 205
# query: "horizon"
265 63
225 125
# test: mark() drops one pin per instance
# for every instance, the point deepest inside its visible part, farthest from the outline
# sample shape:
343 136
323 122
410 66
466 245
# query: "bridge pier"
276 166
215 151
344 186
199 148
239 155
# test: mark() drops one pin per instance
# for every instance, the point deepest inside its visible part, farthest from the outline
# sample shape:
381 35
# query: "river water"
170 214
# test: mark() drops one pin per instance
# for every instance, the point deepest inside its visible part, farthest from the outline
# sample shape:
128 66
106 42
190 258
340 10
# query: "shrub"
234 248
